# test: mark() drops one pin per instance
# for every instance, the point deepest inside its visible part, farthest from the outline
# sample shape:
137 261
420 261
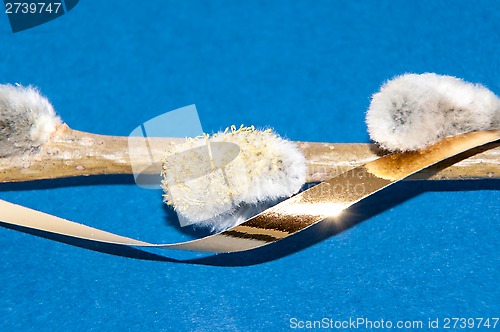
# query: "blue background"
306 68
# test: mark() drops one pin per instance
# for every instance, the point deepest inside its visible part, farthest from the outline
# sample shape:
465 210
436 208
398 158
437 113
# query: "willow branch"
72 153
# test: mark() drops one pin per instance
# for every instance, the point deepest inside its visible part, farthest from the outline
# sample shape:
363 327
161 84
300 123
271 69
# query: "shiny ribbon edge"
287 218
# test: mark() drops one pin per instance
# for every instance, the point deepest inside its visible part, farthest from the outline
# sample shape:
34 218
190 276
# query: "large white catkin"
246 171
413 111
27 119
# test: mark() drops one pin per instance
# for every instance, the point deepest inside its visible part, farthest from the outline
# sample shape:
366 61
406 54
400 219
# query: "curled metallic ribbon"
321 202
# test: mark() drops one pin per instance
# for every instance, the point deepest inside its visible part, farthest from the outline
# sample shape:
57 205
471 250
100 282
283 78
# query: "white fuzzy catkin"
26 119
245 171
413 111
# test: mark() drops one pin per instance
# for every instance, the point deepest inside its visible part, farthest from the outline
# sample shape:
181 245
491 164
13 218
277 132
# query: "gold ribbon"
325 201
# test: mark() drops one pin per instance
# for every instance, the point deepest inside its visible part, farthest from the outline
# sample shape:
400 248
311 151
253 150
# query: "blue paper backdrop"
306 68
